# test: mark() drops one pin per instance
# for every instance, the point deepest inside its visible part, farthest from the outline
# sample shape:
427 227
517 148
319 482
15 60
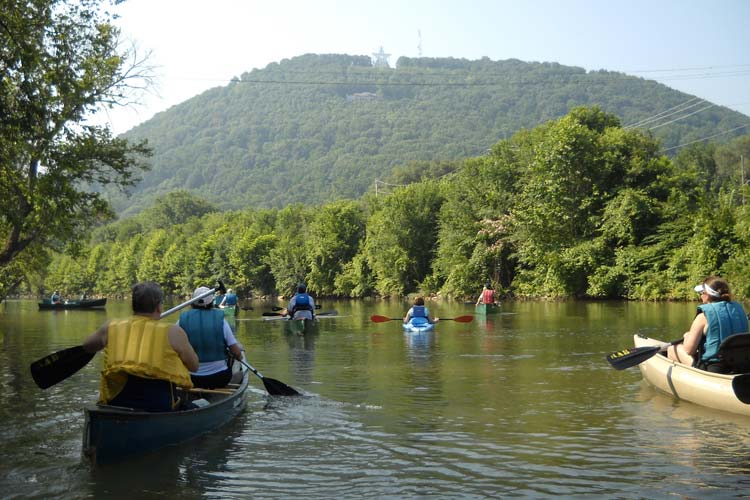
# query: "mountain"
316 128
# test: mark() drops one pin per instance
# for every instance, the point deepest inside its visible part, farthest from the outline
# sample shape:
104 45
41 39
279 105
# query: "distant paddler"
229 302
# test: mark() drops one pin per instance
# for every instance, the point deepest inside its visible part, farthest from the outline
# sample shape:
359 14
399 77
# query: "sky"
698 47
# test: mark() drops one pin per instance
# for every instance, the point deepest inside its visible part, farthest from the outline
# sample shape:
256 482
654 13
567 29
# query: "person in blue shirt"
418 310
229 300
211 336
718 317
55 298
301 306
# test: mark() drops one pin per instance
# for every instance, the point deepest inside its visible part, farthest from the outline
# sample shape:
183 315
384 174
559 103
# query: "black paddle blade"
277 388
631 357
59 365
741 387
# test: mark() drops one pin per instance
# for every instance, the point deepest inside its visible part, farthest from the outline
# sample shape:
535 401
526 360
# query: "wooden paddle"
273 386
58 366
636 355
460 319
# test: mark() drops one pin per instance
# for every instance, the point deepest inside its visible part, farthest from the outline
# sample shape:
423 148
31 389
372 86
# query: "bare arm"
179 341
97 340
693 336
685 352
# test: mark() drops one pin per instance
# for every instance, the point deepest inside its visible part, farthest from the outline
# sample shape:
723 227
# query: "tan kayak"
712 390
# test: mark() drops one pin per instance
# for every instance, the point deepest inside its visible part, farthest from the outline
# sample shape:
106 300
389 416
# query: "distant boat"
46 304
483 309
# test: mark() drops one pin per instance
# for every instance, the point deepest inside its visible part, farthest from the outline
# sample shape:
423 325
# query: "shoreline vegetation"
576 208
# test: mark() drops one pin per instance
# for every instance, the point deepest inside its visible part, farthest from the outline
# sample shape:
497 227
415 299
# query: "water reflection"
517 404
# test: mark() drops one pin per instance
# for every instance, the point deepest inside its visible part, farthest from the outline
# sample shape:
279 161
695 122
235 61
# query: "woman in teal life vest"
211 336
418 310
718 317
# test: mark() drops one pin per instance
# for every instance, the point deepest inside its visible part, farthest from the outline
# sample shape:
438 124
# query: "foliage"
60 60
577 207
300 131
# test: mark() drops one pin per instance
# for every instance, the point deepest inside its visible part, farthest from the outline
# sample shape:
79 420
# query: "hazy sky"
699 47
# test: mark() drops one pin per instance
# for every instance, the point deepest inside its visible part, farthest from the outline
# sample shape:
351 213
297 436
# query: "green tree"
401 238
60 60
333 240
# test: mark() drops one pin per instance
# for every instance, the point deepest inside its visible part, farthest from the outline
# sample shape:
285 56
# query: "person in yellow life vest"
143 358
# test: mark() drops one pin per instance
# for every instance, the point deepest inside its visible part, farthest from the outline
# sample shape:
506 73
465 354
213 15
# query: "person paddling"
144 359
487 296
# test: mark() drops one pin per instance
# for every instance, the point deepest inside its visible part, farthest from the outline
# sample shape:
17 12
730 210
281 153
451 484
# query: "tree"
60 61
334 238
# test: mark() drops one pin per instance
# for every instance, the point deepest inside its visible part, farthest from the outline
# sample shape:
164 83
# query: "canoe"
483 309
418 325
112 434
712 390
230 311
72 304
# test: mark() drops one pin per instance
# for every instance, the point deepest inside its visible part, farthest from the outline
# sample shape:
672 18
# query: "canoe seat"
735 353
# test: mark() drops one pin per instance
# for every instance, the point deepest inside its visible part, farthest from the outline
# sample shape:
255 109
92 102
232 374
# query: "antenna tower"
380 59
419 45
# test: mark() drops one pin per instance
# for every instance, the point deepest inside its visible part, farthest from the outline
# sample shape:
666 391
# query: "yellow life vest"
139 346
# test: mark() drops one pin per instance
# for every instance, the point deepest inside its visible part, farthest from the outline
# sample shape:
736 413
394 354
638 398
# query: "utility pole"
742 170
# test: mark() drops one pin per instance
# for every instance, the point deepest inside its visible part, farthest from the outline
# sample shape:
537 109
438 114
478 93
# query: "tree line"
578 207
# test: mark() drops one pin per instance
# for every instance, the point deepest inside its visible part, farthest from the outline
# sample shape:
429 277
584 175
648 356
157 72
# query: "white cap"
705 288
208 299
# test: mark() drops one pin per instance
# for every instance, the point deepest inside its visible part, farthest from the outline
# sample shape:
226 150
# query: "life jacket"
205 331
488 296
139 346
217 300
418 312
301 303
231 299
724 320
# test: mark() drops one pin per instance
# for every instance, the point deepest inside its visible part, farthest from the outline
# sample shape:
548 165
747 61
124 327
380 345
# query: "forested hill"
320 127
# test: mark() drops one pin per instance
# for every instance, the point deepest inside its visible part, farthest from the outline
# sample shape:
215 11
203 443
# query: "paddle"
273 386
277 308
268 316
636 355
58 366
460 319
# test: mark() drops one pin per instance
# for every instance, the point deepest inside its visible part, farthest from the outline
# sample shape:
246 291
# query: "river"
521 404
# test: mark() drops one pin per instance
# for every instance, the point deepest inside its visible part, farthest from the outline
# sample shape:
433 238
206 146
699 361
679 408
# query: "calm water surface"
520 404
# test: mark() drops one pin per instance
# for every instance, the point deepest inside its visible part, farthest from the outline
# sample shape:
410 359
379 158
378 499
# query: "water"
522 404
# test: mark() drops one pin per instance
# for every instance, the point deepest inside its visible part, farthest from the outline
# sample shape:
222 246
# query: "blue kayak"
418 325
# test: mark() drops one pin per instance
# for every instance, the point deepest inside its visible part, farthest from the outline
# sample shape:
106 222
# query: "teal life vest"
724 320
205 331
231 299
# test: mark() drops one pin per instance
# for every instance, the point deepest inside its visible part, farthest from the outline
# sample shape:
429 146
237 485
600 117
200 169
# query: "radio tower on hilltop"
380 59
419 45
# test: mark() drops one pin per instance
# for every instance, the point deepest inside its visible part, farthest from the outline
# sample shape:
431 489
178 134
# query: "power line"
665 113
706 138
682 117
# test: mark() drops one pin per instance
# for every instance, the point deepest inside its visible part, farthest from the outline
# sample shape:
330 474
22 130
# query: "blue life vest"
418 312
205 331
217 300
231 299
724 320
301 303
